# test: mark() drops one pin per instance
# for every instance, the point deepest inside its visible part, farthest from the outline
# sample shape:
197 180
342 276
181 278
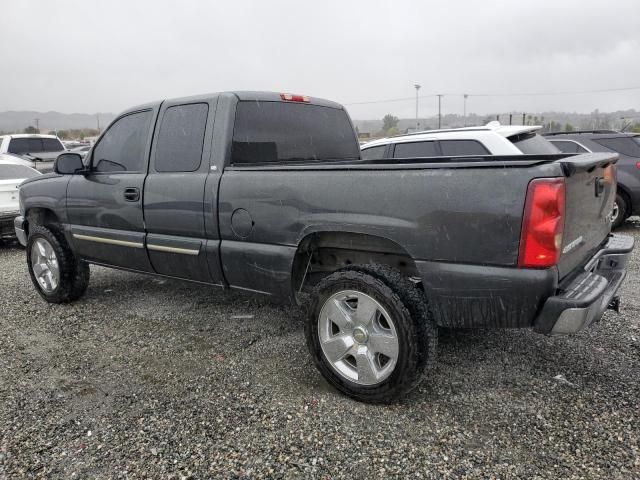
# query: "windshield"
11 172
281 132
532 143
35 145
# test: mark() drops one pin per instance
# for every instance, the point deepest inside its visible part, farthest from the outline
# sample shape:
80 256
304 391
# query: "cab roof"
257 96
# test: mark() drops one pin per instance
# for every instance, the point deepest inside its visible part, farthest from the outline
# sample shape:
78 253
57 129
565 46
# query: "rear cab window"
532 143
276 132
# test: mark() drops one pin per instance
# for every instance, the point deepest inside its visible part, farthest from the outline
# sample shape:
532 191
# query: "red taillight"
289 97
638 165
543 223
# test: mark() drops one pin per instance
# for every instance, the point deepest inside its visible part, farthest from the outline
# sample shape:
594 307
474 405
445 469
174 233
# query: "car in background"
491 139
82 150
12 174
39 150
628 167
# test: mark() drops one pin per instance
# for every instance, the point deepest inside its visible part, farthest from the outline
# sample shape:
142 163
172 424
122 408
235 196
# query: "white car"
492 139
39 150
12 174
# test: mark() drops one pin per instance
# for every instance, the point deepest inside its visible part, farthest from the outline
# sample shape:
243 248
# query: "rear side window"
34 145
624 145
10 172
291 132
531 143
568 147
415 150
181 138
453 148
373 153
121 149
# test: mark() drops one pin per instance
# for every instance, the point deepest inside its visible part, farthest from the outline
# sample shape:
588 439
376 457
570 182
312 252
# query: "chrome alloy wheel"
358 337
44 264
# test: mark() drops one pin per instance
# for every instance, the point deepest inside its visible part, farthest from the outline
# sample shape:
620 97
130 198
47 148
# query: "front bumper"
585 296
19 226
7 225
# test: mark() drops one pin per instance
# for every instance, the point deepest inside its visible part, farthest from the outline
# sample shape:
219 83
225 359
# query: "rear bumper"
585 296
20 230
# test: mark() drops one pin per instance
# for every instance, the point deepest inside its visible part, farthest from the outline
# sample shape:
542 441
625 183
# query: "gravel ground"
148 378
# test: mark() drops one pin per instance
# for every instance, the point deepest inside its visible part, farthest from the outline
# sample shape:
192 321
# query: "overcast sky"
89 56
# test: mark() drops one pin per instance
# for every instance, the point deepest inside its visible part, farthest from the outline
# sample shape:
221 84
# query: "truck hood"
40 178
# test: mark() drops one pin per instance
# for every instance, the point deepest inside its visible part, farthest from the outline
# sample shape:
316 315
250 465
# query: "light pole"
439 110
417 88
464 110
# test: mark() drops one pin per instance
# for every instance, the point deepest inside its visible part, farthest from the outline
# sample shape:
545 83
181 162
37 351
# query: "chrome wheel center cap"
360 335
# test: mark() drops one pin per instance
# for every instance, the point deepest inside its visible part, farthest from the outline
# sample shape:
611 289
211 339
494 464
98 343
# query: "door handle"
132 194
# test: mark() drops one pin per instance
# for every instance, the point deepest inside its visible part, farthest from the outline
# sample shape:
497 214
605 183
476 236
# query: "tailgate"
590 193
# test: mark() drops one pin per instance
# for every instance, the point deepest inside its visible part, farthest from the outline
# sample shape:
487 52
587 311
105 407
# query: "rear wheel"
370 333
55 272
620 211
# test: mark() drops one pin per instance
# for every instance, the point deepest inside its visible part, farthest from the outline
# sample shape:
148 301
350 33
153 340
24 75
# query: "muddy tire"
370 332
55 272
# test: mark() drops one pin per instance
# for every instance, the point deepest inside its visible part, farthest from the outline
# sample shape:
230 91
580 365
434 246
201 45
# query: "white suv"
492 139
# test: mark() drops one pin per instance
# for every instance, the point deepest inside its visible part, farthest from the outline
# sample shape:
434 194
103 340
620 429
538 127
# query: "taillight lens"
543 223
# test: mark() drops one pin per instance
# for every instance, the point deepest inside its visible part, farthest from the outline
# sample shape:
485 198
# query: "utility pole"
510 118
439 110
417 87
464 110
98 118
37 120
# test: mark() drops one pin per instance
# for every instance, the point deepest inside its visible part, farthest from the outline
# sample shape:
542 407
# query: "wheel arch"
41 216
625 192
321 253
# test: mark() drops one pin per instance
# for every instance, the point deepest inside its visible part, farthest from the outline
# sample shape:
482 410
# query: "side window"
121 149
454 148
415 150
624 145
181 138
568 147
373 153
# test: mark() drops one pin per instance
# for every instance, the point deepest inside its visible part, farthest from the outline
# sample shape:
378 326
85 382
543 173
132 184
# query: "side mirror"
68 164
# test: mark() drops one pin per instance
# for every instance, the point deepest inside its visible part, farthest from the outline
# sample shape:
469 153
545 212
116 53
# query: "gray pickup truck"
267 193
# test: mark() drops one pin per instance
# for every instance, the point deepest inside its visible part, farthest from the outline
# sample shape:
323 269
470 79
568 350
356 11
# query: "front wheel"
55 272
370 333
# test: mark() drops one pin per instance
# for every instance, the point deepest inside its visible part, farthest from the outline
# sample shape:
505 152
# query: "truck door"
174 193
104 207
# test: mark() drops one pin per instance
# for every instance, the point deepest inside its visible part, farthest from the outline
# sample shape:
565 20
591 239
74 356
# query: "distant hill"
549 120
14 122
